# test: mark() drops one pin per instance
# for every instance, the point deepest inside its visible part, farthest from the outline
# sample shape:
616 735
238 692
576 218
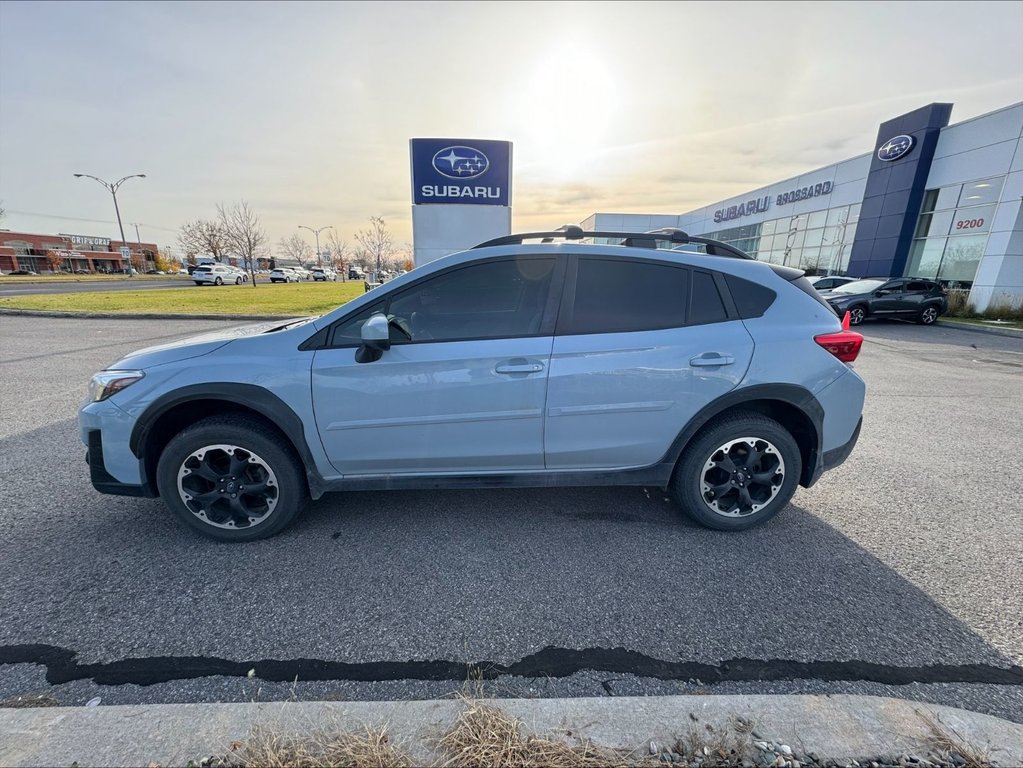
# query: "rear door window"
618 295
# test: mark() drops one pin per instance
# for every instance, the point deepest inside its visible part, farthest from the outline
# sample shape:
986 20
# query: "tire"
928 315
218 281
199 460
700 468
198 282
857 315
237 281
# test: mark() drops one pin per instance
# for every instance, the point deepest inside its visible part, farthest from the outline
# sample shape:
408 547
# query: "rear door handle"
711 358
519 365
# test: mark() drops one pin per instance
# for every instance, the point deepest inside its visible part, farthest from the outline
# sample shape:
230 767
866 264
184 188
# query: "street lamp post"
319 261
112 188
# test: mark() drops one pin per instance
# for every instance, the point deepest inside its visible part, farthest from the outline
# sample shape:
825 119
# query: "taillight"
845 345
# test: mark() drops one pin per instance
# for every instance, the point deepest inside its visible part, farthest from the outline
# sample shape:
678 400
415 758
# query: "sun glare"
566 111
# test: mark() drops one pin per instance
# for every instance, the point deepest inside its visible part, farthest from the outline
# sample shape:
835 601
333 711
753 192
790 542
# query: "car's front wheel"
231 479
928 316
857 315
738 472
237 281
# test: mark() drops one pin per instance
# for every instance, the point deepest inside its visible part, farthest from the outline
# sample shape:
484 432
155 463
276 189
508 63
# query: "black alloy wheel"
737 472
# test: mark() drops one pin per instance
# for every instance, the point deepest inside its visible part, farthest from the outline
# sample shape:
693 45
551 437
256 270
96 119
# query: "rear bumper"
838 455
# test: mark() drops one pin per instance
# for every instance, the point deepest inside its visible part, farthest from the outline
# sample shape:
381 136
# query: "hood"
196 346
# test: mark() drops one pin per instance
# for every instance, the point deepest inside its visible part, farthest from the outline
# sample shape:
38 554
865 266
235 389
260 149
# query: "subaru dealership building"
928 200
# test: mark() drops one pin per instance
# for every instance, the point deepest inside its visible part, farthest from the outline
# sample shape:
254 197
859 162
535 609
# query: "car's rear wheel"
857 315
928 316
738 472
230 478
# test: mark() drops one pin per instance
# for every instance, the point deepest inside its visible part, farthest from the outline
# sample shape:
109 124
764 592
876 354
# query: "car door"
888 298
641 346
461 389
916 291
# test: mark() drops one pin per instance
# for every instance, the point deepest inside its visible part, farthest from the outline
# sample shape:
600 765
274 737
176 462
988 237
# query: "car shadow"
460 575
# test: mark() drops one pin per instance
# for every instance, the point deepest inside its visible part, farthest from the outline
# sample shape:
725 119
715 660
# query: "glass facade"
818 242
951 233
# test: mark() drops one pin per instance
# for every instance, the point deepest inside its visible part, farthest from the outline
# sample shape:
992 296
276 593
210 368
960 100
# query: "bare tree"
203 236
339 253
294 248
243 234
376 241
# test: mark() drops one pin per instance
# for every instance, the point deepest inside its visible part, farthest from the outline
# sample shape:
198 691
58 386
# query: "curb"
1012 333
839 728
138 316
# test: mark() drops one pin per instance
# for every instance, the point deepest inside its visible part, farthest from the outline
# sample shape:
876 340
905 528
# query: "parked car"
904 297
356 274
829 282
23 272
241 274
721 379
216 274
323 273
284 275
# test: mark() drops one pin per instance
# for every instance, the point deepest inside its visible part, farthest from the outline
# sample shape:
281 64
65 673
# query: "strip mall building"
929 200
28 250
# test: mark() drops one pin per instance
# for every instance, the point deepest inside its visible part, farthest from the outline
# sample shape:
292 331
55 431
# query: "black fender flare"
792 395
250 396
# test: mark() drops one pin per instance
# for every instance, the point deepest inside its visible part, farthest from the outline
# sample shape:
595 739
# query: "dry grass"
268 749
485 736
945 743
717 746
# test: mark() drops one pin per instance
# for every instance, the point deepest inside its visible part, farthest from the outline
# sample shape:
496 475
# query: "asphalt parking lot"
898 574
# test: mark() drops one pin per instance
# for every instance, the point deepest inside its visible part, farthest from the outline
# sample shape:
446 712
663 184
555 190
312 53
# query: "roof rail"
629 239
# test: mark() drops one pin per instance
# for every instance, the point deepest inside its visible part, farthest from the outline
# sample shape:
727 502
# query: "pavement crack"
62 667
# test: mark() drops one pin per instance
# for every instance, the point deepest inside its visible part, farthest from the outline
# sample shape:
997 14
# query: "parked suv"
323 273
284 275
721 379
911 298
217 274
828 282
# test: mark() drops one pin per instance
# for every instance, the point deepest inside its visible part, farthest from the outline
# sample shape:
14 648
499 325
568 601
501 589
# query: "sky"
305 110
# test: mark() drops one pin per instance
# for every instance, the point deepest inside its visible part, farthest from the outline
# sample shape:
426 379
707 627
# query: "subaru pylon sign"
461 172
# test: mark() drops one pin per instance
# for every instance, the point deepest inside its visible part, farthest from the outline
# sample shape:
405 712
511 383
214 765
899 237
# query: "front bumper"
102 480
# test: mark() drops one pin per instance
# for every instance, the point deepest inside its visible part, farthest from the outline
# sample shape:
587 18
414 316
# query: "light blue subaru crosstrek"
664 360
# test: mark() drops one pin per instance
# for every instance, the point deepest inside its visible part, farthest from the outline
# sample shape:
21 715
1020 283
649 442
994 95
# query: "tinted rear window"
706 305
618 296
751 299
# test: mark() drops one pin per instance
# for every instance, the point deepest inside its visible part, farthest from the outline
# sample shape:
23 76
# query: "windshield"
858 286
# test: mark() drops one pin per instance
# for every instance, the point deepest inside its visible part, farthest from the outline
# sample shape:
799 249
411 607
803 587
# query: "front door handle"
711 358
519 365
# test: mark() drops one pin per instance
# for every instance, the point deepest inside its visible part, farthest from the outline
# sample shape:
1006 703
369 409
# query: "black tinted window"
706 305
491 300
614 296
751 299
918 285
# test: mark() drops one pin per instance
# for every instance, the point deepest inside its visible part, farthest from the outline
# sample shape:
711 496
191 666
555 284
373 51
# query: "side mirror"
376 339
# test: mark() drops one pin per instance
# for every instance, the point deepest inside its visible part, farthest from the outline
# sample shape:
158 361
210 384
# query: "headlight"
106 383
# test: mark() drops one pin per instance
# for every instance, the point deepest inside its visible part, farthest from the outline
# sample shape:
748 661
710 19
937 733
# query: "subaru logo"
460 162
895 147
